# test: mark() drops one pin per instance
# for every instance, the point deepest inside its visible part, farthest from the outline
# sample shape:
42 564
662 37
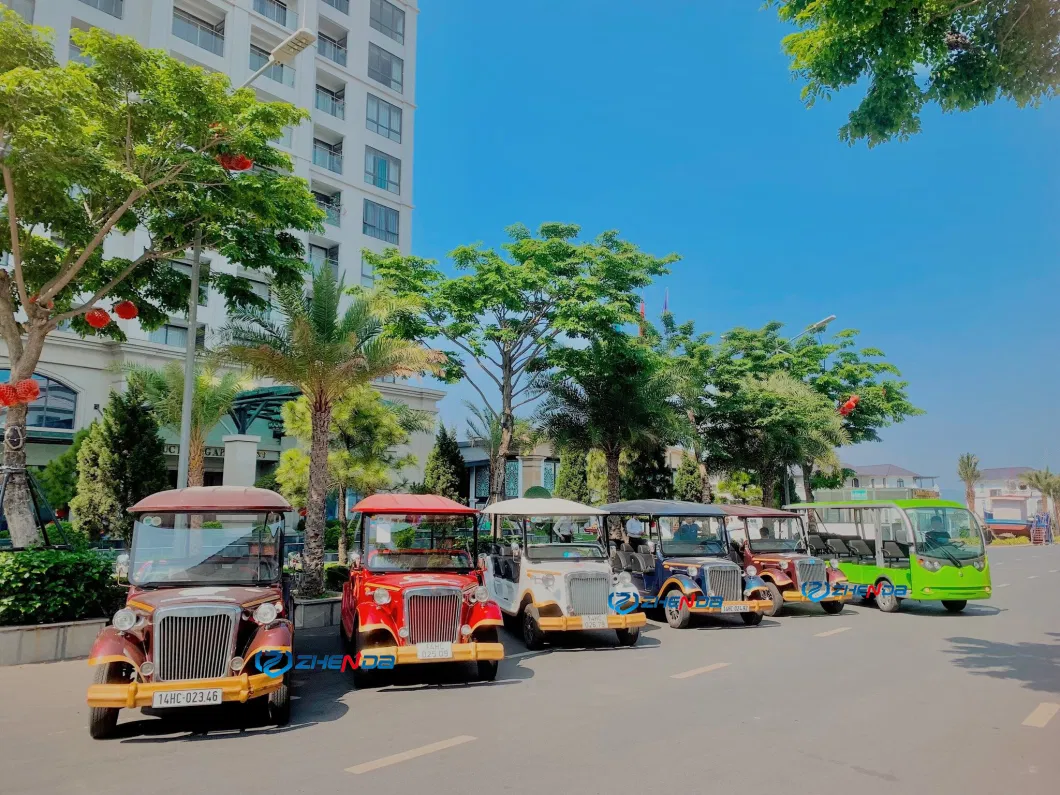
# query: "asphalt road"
918 702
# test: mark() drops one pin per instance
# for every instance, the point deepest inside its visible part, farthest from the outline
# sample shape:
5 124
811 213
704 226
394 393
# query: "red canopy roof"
212 498
411 503
749 511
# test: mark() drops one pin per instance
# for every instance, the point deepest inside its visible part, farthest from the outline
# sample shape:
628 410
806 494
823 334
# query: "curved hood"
244 596
421 580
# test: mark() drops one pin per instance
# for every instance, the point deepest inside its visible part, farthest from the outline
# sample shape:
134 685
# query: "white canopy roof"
541 506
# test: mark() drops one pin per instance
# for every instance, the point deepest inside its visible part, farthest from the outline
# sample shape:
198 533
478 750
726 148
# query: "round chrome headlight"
548 581
381 596
465 630
834 563
624 578
751 571
147 668
482 594
266 613
237 664
403 632
124 620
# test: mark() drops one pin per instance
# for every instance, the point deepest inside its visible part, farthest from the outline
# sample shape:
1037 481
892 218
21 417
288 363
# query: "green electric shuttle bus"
935 548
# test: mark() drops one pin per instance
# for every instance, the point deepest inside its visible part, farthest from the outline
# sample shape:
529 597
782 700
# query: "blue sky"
679 124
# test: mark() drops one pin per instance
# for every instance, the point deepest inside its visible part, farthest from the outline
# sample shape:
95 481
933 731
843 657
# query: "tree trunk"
811 516
343 526
316 497
706 493
969 496
614 491
498 465
768 481
196 458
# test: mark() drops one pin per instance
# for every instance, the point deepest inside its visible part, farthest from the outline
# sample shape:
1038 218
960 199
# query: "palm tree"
303 340
968 472
212 399
484 426
1048 484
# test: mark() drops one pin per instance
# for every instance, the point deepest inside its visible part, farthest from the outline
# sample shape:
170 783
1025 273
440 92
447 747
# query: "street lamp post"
283 53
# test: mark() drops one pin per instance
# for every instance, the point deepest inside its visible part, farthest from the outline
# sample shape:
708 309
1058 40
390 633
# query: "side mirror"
121 568
355 560
483 561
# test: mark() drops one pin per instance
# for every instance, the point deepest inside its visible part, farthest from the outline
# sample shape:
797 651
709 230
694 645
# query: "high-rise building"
358 82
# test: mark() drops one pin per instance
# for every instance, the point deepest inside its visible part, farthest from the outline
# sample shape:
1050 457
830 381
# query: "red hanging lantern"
235 162
27 390
126 310
8 395
97 318
850 405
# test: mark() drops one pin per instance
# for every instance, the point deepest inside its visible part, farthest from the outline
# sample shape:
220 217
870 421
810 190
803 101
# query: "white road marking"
404 756
1053 571
1033 577
1042 714
522 654
835 631
1004 585
697 671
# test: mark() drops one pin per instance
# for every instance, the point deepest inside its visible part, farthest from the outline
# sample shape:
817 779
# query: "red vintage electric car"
773 542
206 598
415 593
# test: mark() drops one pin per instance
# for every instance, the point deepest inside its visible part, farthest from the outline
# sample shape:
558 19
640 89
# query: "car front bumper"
140 694
462 652
574 623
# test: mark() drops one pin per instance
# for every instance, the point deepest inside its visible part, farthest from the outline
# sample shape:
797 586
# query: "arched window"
901 483
56 407
857 483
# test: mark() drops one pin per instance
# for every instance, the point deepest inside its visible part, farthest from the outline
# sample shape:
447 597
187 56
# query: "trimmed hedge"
1016 541
335 574
44 586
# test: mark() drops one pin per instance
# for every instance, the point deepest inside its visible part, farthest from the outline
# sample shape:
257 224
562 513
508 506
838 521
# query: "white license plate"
735 609
186 698
434 651
594 622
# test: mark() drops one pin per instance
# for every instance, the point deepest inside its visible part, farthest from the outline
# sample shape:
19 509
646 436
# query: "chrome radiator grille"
725 581
810 572
432 615
194 643
587 593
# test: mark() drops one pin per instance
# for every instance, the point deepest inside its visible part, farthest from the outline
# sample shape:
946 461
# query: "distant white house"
1000 496
878 476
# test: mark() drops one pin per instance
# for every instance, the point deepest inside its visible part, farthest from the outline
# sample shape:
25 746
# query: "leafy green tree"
687 485
968 472
572 481
304 341
958 54
1048 484
445 466
121 461
212 398
648 476
58 480
741 487
506 313
88 154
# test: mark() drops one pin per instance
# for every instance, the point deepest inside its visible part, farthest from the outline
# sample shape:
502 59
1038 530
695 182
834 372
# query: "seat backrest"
625 547
838 547
893 551
817 545
860 548
643 562
625 560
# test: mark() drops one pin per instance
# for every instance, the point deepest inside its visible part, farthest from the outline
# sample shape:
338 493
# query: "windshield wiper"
953 558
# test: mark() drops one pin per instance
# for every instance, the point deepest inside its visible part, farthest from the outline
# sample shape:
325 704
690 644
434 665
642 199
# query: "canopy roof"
541 506
751 511
662 508
212 498
412 503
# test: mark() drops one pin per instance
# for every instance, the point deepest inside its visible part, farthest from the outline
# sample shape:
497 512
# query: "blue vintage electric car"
678 556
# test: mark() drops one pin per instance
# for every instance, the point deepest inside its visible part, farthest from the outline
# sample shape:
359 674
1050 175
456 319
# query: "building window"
380 222
276 11
278 71
548 475
901 483
286 139
389 20
74 54
482 483
332 102
324 257
327 155
382 170
340 5
995 492
856 483
199 32
55 409
367 273
331 205
204 278
24 8
385 67
177 336
113 7
511 479
384 118
332 49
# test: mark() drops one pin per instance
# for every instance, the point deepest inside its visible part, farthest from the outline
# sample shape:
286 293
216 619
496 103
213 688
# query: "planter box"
69 640
313 613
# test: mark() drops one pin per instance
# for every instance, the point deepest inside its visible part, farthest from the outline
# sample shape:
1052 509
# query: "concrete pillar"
241 460
533 472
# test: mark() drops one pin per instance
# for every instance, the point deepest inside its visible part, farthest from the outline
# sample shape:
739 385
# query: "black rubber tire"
102 720
832 608
347 642
487 670
533 637
628 637
677 617
955 605
752 619
280 702
776 597
363 678
887 603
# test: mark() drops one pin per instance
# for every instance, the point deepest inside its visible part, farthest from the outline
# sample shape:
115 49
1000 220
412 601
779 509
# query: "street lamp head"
286 50
820 324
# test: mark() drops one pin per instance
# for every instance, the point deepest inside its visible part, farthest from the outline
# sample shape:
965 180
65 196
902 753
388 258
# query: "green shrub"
49 585
1016 541
335 574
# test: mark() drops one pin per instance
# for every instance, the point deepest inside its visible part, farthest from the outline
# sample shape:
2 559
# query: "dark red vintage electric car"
415 592
206 597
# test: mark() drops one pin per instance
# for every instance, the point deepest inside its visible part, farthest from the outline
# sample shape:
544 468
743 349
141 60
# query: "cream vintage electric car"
547 570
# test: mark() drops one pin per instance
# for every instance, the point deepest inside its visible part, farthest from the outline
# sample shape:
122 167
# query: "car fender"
114 646
276 637
371 617
777 577
484 614
753 584
687 585
835 576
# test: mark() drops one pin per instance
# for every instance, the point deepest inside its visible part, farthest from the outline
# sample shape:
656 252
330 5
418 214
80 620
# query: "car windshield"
206 548
418 542
946 532
558 537
767 534
689 536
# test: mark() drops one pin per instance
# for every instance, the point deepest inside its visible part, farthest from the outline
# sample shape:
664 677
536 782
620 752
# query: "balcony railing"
278 71
331 104
332 212
277 12
341 5
332 50
112 7
325 158
191 30
319 263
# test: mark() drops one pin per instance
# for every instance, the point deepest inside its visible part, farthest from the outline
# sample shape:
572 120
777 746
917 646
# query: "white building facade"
1002 495
358 83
